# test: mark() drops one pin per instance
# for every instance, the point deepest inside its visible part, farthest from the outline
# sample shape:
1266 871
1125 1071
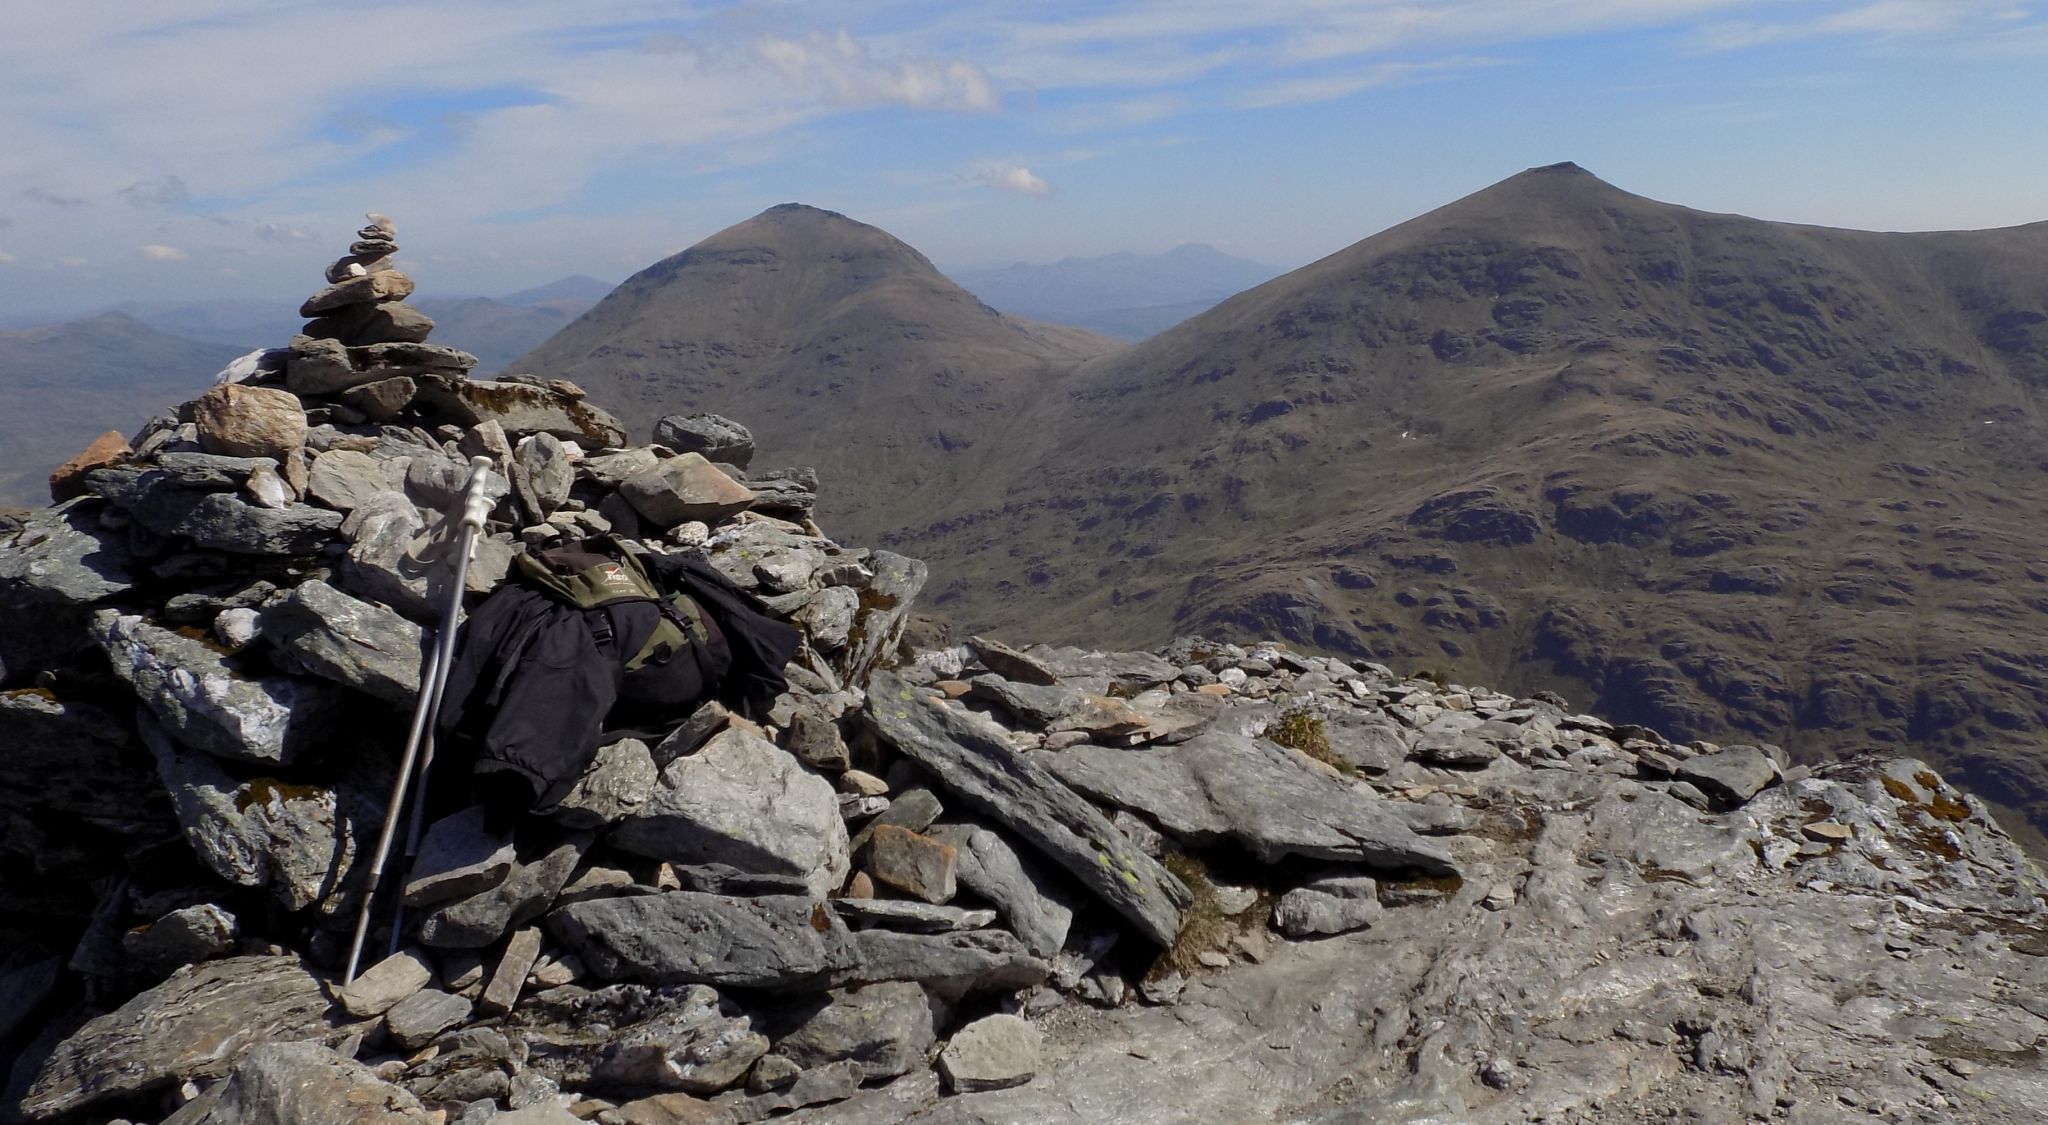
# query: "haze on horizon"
216 149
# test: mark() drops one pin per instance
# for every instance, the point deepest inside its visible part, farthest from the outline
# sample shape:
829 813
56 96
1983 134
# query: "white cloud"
5 257
1328 87
1014 178
158 252
163 191
851 75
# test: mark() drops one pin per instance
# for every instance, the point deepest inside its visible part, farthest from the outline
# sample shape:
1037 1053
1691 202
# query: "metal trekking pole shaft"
476 506
433 677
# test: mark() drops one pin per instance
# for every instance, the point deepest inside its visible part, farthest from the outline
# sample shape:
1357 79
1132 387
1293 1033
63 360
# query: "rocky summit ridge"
970 883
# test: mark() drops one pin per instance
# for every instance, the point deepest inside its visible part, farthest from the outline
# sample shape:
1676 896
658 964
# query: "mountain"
1734 479
497 332
577 290
246 325
62 385
1125 296
842 347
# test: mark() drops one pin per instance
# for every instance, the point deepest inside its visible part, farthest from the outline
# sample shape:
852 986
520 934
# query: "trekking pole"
476 505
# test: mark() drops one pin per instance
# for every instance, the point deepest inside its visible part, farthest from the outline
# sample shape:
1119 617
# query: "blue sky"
194 149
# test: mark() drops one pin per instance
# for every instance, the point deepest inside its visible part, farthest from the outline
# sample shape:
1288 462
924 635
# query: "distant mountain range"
1732 479
64 384
1124 296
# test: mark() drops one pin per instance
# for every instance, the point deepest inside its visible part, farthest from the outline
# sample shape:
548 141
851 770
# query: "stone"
354 643
697 1051
1331 905
911 917
198 1024
775 942
301 841
833 1082
68 480
525 893
1009 663
707 720
70 767
886 1027
265 488
1272 801
242 421
182 937
618 783
815 739
610 470
383 399
381 986
771 1072
369 288
952 965
878 629
914 864
385 322
1454 751
217 521
743 802
53 569
973 758
862 784
717 439
992 1053
1828 831
787 493
828 616
1735 774
459 856
301 1084
632 1038
344 479
1039 707
510 976
549 473
684 488
1039 910
913 809
671 1109
522 409
414 1021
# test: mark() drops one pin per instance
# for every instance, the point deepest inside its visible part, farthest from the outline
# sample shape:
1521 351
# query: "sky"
227 149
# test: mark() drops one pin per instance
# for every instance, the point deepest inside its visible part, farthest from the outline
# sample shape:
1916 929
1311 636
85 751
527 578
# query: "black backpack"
672 652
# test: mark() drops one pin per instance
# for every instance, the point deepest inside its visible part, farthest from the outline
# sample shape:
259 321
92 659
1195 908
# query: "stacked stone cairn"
873 900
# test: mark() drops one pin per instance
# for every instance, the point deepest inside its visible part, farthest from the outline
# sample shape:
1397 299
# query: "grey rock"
300 1084
913 809
717 439
521 408
548 471
198 1024
525 893
69 769
501 992
354 643
707 720
1270 800
697 1049
1456 751
182 937
473 1064
1370 744
914 917
459 856
951 965
343 479
1735 774
27 979
682 489
828 616
214 521
788 493
53 569
879 628
369 287
385 322
974 759
380 987
886 1027
742 801
381 400
1033 705
1009 663
833 1082
992 1053
215 472
815 739
1037 908
414 1021
775 942
194 690
620 782
610 470
1331 905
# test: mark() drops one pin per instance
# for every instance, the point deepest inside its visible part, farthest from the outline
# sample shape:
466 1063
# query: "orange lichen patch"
1303 731
1899 789
263 790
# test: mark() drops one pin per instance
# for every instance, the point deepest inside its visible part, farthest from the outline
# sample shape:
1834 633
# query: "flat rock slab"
383 985
1271 800
975 759
197 1024
915 917
1733 775
459 857
950 965
354 643
885 1027
1009 663
525 893
301 1084
216 521
1038 909
520 408
913 863
688 937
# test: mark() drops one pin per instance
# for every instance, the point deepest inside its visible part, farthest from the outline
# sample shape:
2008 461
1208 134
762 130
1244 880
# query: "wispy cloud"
1326 87
852 75
1012 178
163 191
158 252
5 257
45 195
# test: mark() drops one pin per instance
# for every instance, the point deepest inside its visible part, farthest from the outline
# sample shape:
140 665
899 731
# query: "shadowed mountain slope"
841 346
1735 479
62 385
